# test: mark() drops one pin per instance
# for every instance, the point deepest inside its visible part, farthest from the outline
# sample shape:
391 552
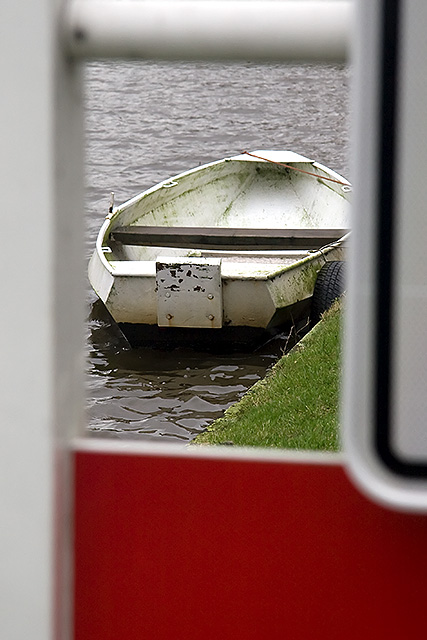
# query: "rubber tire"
330 285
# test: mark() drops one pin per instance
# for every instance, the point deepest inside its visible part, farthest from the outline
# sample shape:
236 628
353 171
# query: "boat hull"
159 291
260 305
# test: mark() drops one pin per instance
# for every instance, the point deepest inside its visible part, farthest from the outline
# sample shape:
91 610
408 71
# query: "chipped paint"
189 292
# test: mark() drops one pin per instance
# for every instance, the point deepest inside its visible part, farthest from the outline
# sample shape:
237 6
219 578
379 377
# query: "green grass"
297 405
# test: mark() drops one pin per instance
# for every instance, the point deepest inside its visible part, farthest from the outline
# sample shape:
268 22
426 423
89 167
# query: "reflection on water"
153 393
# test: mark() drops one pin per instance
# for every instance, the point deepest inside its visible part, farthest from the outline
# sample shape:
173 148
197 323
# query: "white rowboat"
231 245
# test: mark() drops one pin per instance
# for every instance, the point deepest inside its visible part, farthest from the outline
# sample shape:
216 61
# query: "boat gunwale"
112 217
262 275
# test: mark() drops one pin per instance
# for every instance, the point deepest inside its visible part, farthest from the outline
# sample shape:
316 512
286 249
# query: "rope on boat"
288 166
330 245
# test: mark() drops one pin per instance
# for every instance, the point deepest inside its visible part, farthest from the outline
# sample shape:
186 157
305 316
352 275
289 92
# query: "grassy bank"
296 405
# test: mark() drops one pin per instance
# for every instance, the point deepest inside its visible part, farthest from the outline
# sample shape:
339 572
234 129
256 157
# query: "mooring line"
288 166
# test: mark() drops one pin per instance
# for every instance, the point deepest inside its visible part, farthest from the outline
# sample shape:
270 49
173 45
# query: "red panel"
214 549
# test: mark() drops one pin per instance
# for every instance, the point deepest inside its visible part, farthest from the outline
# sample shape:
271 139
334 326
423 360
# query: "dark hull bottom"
212 340
225 340
290 325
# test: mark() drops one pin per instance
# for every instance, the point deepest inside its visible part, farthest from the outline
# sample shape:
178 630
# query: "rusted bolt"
210 296
211 317
169 316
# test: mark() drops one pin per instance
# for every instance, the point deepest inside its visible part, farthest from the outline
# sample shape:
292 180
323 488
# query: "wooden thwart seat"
234 239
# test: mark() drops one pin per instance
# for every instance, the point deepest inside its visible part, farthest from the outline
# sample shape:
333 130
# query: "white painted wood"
41 317
151 448
214 29
189 292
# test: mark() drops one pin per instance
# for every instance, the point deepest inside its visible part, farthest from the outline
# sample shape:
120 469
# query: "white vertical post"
42 301
386 349
42 313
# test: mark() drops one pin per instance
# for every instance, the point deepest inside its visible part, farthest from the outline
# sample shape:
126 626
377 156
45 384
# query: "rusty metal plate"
189 292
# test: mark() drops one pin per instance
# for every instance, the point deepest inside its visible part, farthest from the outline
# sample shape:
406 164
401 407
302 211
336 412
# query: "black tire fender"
330 285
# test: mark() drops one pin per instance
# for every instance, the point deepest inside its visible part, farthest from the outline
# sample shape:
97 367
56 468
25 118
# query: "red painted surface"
214 549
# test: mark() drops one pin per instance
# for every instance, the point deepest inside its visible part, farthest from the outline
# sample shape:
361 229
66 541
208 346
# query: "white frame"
43 43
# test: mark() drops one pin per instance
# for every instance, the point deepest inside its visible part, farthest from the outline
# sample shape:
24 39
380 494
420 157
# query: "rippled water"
144 123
